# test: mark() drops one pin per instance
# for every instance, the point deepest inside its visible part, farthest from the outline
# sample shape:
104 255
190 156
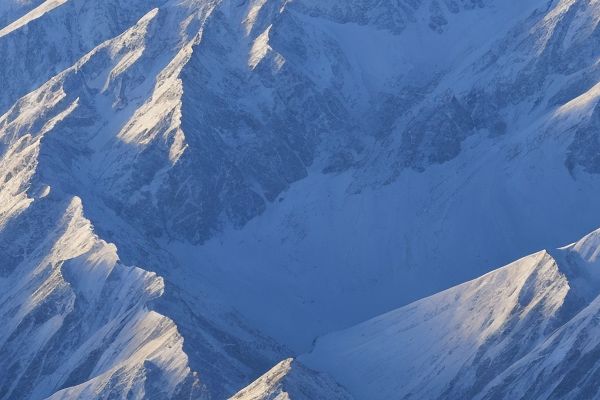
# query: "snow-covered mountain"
527 330
291 380
277 170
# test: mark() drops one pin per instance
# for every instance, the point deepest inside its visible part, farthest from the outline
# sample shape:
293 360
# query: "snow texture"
193 190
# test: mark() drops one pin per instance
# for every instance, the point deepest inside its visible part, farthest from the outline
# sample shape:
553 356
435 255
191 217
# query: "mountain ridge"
459 342
304 151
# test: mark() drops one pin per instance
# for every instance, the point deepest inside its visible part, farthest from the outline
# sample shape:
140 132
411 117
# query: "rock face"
279 170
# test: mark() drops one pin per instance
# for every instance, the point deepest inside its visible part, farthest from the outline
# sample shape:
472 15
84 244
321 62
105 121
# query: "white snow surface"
281 170
290 380
526 328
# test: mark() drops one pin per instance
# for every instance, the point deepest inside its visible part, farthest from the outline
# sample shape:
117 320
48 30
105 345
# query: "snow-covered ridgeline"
522 331
257 150
76 321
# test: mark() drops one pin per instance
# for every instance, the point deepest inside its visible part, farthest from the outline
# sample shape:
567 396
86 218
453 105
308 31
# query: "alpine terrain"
299 199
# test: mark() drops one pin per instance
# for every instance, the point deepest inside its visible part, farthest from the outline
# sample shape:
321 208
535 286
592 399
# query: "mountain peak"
192 191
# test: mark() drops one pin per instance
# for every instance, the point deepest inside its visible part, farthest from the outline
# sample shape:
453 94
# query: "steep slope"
73 119
247 151
11 10
566 365
472 167
72 314
506 327
76 322
290 380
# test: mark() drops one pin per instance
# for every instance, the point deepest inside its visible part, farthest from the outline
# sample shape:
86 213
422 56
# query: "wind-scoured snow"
285 169
488 338
290 380
73 315
37 12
